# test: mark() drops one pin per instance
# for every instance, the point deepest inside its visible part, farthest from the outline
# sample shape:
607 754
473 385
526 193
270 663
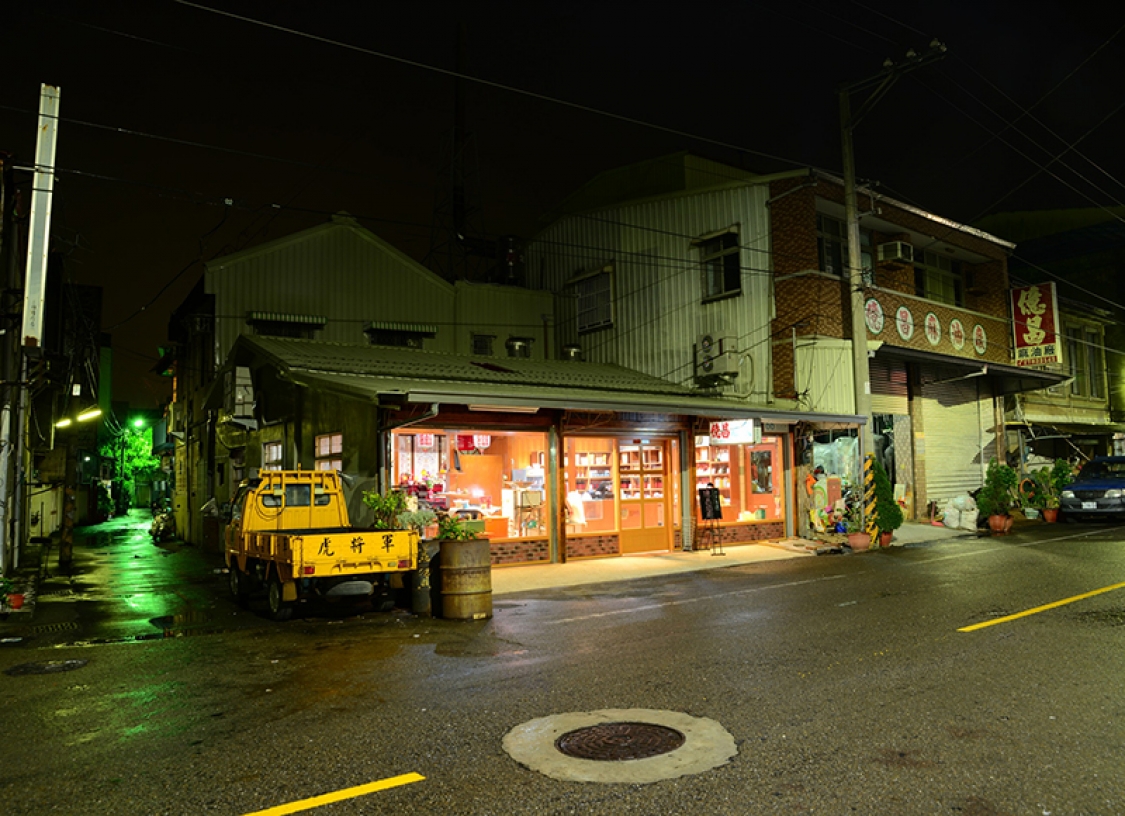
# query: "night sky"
187 134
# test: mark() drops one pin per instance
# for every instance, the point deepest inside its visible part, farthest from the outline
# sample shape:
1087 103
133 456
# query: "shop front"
622 495
494 480
619 494
549 460
747 468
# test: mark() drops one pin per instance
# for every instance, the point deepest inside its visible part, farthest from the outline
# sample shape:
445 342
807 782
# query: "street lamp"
85 416
66 537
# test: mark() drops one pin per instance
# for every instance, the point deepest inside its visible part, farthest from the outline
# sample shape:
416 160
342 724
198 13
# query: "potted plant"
466 570
421 521
858 538
387 507
12 599
1050 483
888 515
997 496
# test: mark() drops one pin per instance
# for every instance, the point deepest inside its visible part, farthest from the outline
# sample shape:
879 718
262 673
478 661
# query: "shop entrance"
642 472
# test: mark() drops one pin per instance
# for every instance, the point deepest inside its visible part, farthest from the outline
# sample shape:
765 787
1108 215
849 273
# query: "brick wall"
793 227
998 329
521 551
591 546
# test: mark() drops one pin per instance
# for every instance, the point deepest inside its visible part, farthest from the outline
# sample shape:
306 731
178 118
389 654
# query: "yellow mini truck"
289 534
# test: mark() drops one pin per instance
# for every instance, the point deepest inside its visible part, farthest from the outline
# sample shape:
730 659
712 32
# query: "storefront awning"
1005 379
1039 429
398 376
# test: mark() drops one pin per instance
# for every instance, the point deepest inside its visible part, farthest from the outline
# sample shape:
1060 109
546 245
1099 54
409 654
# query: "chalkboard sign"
710 505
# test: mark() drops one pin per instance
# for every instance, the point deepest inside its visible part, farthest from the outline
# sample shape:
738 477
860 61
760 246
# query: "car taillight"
309 569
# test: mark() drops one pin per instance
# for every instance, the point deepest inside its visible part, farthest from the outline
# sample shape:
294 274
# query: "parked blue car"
1098 491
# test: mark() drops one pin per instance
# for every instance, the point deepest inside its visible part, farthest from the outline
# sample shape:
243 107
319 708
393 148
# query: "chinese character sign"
1035 321
732 432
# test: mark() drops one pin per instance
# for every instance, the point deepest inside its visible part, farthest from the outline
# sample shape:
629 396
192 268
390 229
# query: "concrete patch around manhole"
706 745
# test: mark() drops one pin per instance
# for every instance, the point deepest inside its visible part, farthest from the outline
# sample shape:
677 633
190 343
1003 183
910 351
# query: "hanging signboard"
733 432
1035 325
710 505
424 440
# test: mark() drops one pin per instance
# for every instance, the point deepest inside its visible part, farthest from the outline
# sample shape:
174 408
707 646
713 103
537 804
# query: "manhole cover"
50 667
641 745
619 741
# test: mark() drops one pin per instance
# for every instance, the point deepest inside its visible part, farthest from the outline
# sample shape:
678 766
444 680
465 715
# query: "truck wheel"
279 609
239 584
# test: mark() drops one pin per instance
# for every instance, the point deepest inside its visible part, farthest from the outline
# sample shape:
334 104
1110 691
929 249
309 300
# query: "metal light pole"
856 284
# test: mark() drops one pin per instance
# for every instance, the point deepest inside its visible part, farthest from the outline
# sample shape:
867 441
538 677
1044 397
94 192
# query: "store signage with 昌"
1035 325
732 432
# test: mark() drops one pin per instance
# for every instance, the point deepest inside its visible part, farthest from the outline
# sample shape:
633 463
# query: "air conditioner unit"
716 357
896 252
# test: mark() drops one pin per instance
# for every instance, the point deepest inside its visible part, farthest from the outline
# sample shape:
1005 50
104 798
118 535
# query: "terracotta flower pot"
15 600
999 525
859 541
885 538
1050 514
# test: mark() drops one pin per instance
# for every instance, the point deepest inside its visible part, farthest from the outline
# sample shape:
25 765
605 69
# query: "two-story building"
330 349
1075 256
651 259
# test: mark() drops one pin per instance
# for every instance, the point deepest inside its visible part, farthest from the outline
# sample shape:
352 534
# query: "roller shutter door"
888 387
958 424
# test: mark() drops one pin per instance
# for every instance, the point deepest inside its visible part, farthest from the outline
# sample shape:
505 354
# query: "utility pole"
35 284
856 283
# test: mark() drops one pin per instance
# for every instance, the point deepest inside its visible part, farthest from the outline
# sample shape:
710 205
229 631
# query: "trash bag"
952 517
963 502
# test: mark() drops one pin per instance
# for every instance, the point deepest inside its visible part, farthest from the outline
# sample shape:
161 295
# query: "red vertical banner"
1035 325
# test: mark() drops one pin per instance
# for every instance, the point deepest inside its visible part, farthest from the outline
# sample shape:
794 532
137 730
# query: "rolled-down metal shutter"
888 387
959 433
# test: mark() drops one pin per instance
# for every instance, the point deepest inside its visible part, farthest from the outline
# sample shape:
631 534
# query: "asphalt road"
844 681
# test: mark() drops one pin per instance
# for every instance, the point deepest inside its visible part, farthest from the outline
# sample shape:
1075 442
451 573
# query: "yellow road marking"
1043 608
340 795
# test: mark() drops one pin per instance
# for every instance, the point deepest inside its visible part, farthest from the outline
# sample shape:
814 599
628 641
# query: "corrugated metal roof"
426 377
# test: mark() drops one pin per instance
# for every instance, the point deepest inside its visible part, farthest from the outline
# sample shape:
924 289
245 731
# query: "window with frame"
720 257
329 450
271 456
594 300
939 278
1085 361
832 248
831 245
482 344
1094 364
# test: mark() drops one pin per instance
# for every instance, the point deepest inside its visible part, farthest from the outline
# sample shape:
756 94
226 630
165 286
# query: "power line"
488 83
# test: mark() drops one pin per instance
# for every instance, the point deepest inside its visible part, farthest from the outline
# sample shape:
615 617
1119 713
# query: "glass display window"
496 479
747 476
590 477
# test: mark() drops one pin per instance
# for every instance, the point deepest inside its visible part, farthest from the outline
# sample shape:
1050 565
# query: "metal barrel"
466 579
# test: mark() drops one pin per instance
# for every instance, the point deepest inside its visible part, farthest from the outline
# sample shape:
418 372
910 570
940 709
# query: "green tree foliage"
998 494
131 453
888 515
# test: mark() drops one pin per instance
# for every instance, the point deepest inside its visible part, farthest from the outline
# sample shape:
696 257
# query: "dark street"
843 680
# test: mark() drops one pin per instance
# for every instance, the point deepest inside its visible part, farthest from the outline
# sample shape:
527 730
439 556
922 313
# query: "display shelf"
592 473
713 466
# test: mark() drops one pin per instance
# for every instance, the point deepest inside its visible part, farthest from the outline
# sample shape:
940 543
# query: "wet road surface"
844 681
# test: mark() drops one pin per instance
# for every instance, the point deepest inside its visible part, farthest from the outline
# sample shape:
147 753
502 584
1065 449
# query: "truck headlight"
1067 494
